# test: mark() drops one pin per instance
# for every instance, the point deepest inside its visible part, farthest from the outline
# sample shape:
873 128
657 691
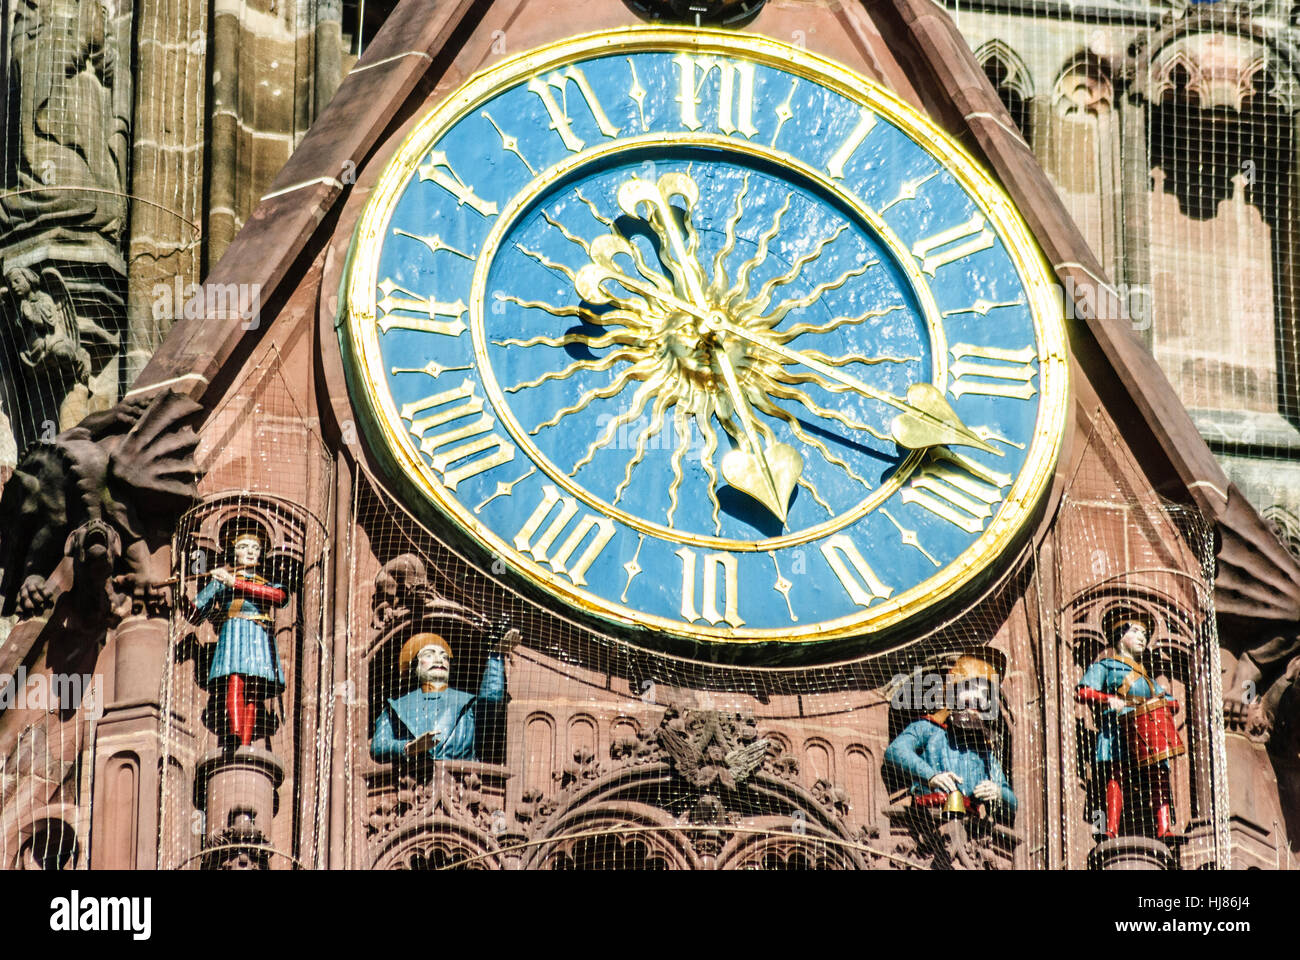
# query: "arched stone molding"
1010 77
626 835
997 58
440 843
1084 87
1215 60
688 828
288 528
435 813
1177 626
46 840
775 847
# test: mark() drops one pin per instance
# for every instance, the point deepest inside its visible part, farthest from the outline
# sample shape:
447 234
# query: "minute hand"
927 419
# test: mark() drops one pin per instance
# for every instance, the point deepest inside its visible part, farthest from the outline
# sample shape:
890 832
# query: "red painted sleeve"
1086 694
261 591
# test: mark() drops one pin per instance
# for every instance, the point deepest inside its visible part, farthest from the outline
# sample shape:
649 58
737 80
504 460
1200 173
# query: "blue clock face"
704 334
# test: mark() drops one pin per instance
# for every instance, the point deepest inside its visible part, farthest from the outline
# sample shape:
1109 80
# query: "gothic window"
1221 151
1010 78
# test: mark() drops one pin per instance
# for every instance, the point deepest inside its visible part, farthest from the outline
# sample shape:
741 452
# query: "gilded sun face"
699 344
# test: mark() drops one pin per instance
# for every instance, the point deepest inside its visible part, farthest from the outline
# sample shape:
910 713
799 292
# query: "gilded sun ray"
665 343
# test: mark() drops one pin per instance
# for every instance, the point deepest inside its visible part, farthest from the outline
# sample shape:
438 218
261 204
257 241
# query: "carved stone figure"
1118 686
239 600
48 336
949 755
403 592
1262 695
128 472
70 118
434 720
709 749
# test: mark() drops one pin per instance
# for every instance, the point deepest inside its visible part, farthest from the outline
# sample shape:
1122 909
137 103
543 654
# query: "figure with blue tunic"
240 603
1119 688
435 720
950 755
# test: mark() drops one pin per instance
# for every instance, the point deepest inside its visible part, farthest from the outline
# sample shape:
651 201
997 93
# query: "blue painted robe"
925 748
244 624
1110 675
450 713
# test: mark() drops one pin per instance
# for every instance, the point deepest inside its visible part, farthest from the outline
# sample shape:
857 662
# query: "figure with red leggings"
1115 684
239 601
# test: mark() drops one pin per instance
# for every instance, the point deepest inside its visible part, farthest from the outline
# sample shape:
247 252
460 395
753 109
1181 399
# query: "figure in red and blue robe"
245 662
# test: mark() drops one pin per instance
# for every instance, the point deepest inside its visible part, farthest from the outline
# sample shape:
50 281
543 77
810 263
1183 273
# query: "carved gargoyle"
1262 695
84 514
403 591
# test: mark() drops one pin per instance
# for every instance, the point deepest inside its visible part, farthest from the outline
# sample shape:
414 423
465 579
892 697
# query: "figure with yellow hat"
239 601
434 719
950 755
1120 689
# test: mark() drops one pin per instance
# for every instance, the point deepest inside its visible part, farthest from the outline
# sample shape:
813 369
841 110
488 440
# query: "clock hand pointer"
927 419
735 468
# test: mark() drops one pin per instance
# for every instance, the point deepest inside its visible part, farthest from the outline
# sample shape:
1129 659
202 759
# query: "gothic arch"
1083 86
1220 58
1010 77
682 827
440 843
782 849
46 840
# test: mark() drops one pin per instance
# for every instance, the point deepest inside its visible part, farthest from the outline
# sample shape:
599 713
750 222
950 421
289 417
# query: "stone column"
1132 853
125 804
1135 213
171 103
238 792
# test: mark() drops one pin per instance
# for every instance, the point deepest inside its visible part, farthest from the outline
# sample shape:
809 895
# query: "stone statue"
83 523
70 121
949 755
403 593
1118 686
433 719
129 469
239 601
49 337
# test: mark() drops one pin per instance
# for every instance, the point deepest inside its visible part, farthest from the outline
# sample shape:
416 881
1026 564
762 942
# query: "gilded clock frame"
365 369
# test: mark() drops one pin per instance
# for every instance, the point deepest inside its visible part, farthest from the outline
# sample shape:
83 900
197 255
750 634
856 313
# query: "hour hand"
768 475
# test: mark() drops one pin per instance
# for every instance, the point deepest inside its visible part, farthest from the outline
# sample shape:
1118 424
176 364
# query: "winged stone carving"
707 747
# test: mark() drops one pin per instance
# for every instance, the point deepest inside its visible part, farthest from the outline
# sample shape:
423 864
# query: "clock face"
706 334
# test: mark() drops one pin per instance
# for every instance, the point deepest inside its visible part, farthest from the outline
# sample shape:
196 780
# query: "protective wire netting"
1143 771
606 753
246 714
583 750
1169 132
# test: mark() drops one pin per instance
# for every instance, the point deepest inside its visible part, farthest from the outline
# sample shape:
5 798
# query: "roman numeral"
837 162
1006 373
713 563
975 235
426 305
470 439
450 181
559 558
861 582
735 95
955 488
560 120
